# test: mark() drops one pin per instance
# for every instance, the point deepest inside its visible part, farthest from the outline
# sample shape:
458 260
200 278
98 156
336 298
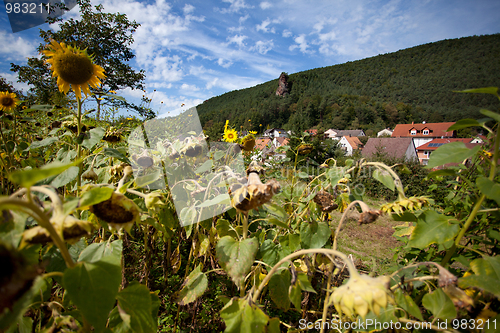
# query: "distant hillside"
414 84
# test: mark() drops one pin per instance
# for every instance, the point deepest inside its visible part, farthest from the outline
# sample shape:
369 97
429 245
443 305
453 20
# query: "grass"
372 245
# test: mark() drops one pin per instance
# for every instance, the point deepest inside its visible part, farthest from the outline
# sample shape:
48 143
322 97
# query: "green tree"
107 37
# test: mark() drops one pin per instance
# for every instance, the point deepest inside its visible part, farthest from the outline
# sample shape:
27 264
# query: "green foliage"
486 272
137 309
433 228
105 36
237 256
240 271
372 93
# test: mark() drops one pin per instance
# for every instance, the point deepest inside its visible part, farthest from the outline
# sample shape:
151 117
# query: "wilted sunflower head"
192 150
248 142
8 101
90 175
145 160
305 149
16 276
118 211
361 294
325 201
74 67
112 135
72 125
71 229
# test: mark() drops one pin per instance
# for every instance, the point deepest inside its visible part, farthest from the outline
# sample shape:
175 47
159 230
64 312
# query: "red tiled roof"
436 143
282 141
354 142
436 130
261 143
312 131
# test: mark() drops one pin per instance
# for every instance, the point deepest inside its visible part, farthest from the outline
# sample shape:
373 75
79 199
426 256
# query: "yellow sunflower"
8 101
230 135
74 67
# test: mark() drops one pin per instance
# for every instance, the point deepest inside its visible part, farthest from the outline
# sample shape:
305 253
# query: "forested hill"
414 84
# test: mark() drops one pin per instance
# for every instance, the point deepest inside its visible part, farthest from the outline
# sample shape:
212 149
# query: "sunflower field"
106 229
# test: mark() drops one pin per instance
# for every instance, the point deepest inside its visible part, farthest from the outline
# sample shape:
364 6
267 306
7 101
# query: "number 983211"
27 8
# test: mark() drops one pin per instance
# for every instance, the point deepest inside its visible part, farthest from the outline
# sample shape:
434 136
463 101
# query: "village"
409 142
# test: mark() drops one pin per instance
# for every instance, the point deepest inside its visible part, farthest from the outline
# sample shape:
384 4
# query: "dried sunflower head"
72 125
90 175
305 149
248 142
144 160
16 276
118 211
55 124
112 135
192 150
71 230
369 216
325 201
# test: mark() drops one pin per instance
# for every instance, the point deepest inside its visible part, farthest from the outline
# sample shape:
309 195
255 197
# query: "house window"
427 153
425 162
425 132
413 132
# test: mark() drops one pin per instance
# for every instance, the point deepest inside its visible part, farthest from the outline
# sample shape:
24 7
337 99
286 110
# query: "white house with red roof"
349 144
425 150
423 132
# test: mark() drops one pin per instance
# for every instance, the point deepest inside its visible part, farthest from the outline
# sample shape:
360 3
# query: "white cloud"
165 69
189 88
15 48
188 9
160 85
234 7
224 62
212 83
265 5
12 78
301 43
263 46
232 82
188 45
264 25
242 19
237 39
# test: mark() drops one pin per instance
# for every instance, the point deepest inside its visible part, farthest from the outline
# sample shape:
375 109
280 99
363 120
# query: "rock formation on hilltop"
282 85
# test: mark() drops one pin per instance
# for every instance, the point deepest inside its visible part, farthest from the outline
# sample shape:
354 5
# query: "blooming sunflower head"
74 67
230 135
8 101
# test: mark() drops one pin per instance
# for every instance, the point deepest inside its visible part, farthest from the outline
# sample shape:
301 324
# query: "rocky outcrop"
282 85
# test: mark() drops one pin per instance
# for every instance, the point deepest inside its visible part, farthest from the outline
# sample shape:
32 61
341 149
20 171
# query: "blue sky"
194 50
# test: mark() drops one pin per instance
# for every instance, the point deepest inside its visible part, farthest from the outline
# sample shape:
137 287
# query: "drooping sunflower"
74 67
8 101
248 142
230 135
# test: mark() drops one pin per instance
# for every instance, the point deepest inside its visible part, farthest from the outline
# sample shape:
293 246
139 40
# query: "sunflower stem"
353 272
9 155
79 130
43 220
